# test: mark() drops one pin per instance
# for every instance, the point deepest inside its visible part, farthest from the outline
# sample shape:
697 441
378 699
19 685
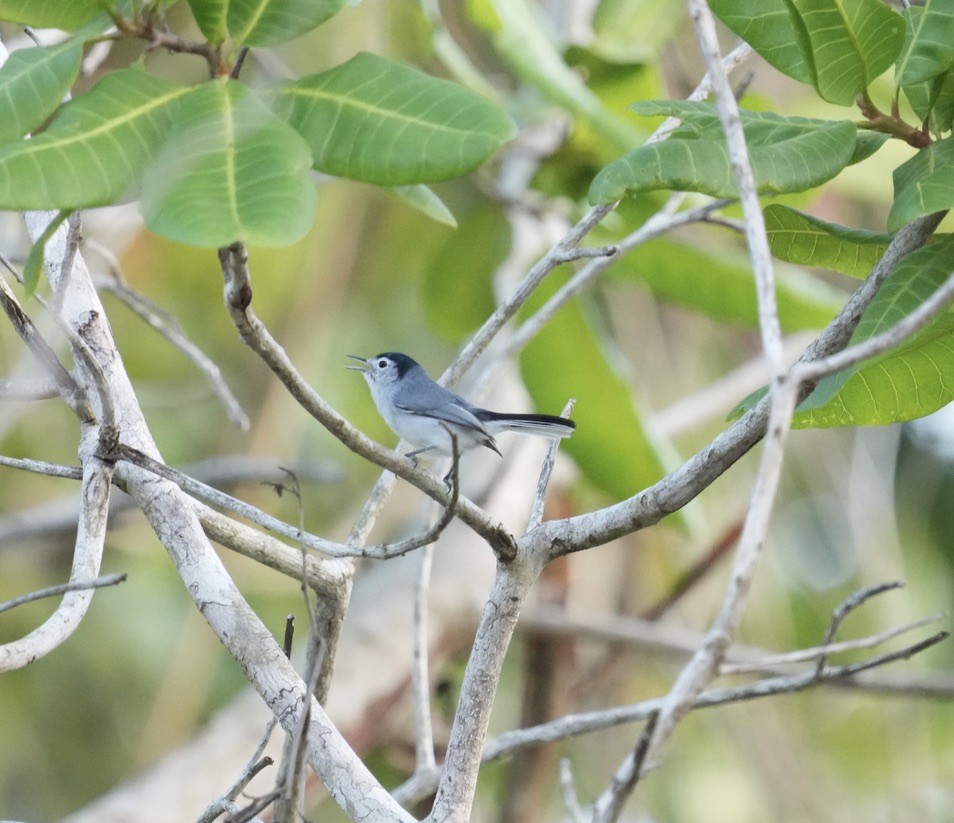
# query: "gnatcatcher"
418 409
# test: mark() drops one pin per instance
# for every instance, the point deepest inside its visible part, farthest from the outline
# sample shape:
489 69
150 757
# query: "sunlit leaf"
229 170
924 184
610 445
33 83
929 44
378 121
722 285
95 149
457 288
59 14
800 238
424 199
787 154
270 22
906 383
524 43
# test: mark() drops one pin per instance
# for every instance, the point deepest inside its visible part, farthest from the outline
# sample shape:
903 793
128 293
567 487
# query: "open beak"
362 368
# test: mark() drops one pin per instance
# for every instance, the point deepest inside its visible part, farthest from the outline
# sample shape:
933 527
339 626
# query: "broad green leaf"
909 382
627 32
722 286
924 184
866 144
95 149
229 170
58 14
929 44
424 199
377 121
788 154
799 238
457 288
211 17
33 83
933 101
768 27
610 445
524 42
846 43
270 22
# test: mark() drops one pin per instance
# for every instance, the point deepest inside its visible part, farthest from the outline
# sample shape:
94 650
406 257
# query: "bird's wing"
448 408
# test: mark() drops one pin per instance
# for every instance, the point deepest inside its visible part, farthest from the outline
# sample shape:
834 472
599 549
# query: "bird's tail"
543 425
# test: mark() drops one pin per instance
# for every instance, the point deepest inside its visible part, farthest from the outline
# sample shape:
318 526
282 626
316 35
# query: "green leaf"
788 154
377 121
909 382
839 46
929 43
457 289
933 101
847 43
768 27
57 14
94 151
34 263
866 144
211 18
610 445
229 170
270 22
32 85
722 286
799 238
523 42
424 199
924 184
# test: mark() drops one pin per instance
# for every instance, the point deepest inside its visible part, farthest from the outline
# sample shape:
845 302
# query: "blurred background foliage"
858 507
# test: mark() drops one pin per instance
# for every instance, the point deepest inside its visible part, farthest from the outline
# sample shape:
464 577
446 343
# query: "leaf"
929 44
839 46
610 445
54 14
788 154
933 101
229 170
767 26
847 43
95 149
722 285
34 263
424 199
800 238
523 42
32 85
377 121
866 144
457 288
270 22
211 16
905 383
924 184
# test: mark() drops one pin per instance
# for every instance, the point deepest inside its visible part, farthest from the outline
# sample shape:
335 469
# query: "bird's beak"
362 368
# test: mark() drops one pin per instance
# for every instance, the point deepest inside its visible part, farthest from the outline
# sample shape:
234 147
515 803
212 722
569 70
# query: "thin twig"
420 678
539 499
39 388
581 723
63 588
570 801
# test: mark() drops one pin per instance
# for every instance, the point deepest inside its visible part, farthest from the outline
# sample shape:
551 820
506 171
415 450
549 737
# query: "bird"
424 413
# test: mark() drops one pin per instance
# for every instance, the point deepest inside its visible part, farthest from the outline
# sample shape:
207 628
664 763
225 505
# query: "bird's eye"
382 364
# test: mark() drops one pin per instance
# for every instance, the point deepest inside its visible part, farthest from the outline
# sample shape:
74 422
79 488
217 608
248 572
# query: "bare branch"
63 588
41 388
536 509
728 109
568 790
420 678
42 467
169 328
87 556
